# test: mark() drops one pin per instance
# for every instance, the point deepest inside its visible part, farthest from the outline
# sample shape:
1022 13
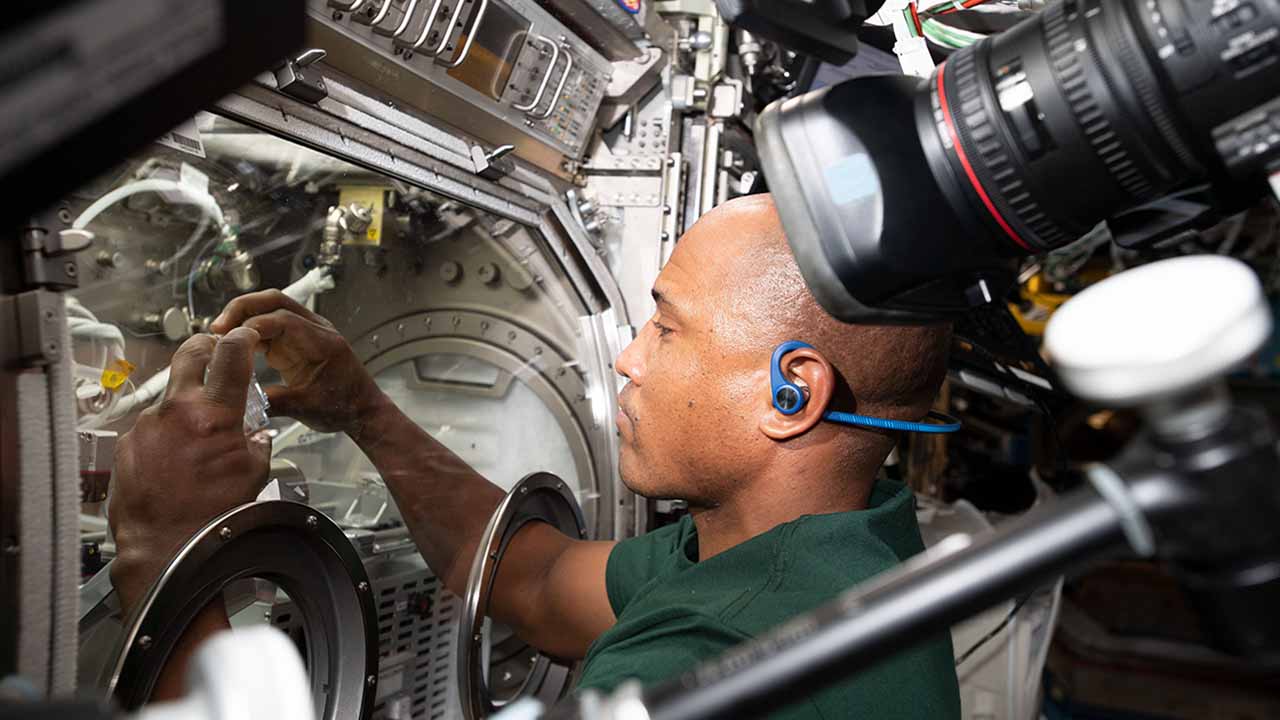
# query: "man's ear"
816 378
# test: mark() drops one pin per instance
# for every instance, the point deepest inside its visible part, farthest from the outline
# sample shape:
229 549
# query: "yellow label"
115 373
372 198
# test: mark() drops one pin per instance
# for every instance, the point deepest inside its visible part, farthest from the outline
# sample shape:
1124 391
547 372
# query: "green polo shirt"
674 611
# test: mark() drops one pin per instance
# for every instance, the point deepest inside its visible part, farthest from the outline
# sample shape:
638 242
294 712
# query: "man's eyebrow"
664 301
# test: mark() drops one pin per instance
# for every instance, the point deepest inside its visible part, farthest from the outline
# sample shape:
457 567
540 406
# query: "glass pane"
463 317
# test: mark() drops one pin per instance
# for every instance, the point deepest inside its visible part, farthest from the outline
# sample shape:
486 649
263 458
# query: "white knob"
1158 329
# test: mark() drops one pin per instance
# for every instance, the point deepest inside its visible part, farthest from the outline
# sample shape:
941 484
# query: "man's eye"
663 330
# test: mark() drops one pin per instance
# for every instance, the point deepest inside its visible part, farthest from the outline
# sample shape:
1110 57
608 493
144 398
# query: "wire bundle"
926 23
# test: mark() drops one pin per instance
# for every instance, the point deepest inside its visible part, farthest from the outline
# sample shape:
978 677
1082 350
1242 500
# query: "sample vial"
255 407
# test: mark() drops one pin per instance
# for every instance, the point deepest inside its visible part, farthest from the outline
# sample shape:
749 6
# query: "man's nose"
630 363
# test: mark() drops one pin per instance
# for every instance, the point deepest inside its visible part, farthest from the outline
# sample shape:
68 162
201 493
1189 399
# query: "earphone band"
788 399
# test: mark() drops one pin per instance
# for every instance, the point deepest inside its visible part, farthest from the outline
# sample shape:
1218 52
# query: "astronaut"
786 509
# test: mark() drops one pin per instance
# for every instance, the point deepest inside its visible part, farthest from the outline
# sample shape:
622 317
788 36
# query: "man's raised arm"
550 588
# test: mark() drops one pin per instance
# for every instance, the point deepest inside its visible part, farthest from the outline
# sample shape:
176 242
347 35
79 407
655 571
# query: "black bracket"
293 79
494 164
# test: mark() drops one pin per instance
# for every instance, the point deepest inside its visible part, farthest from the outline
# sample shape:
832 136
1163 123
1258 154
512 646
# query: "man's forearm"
445 503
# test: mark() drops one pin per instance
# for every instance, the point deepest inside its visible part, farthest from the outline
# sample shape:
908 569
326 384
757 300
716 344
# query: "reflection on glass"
225 209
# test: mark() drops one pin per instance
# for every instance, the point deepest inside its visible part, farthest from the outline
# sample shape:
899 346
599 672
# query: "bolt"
225 533
450 272
363 586
144 642
400 328
488 273
371 681
312 522
426 322
457 321
70 268
337 15
64 215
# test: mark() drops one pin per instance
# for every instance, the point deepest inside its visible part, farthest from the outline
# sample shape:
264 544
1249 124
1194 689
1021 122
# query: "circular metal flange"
538 497
301 551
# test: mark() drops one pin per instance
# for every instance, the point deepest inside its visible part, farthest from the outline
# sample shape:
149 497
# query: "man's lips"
623 417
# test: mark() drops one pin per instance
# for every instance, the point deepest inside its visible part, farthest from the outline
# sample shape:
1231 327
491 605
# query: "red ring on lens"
968 168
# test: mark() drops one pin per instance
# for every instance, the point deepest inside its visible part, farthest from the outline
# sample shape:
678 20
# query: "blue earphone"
789 399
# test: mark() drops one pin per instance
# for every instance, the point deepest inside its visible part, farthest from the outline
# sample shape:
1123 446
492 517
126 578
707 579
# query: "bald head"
729 295
891 370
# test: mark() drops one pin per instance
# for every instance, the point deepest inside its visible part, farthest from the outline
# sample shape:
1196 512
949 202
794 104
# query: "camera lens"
1020 144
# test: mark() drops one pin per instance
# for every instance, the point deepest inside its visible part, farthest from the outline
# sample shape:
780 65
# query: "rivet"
363 586
144 642
313 522
371 680
225 533
400 328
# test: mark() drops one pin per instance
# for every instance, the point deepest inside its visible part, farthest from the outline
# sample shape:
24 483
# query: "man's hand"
326 386
186 460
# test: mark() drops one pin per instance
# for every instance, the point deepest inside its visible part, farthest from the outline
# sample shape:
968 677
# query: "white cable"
202 200
1113 489
301 290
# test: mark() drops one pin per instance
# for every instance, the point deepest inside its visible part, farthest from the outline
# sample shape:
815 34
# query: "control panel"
530 77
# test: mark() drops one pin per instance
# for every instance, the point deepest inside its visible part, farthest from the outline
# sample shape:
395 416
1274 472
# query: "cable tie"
1115 491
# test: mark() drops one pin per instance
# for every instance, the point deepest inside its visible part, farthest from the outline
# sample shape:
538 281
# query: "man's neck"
777 497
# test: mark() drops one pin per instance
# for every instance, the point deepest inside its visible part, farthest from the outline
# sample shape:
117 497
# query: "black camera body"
911 201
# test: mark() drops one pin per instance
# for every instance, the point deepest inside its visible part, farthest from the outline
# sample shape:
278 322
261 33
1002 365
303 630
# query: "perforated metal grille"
417 644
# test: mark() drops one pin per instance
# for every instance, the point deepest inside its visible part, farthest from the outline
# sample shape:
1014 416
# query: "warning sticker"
631 6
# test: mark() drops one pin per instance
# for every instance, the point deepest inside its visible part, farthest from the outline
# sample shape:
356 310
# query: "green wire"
949 36
911 23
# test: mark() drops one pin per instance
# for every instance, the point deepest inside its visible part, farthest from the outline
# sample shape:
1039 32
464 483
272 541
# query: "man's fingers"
253 304
231 368
281 400
186 368
274 324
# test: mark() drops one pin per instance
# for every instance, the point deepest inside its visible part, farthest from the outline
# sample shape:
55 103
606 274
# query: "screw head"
69 267
64 215
312 522
363 586
225 533
145 642
371 680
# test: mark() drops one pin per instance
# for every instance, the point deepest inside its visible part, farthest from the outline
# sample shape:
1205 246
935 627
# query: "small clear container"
255 407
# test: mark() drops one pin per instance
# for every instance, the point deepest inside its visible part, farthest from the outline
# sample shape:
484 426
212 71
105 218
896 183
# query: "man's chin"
638 485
